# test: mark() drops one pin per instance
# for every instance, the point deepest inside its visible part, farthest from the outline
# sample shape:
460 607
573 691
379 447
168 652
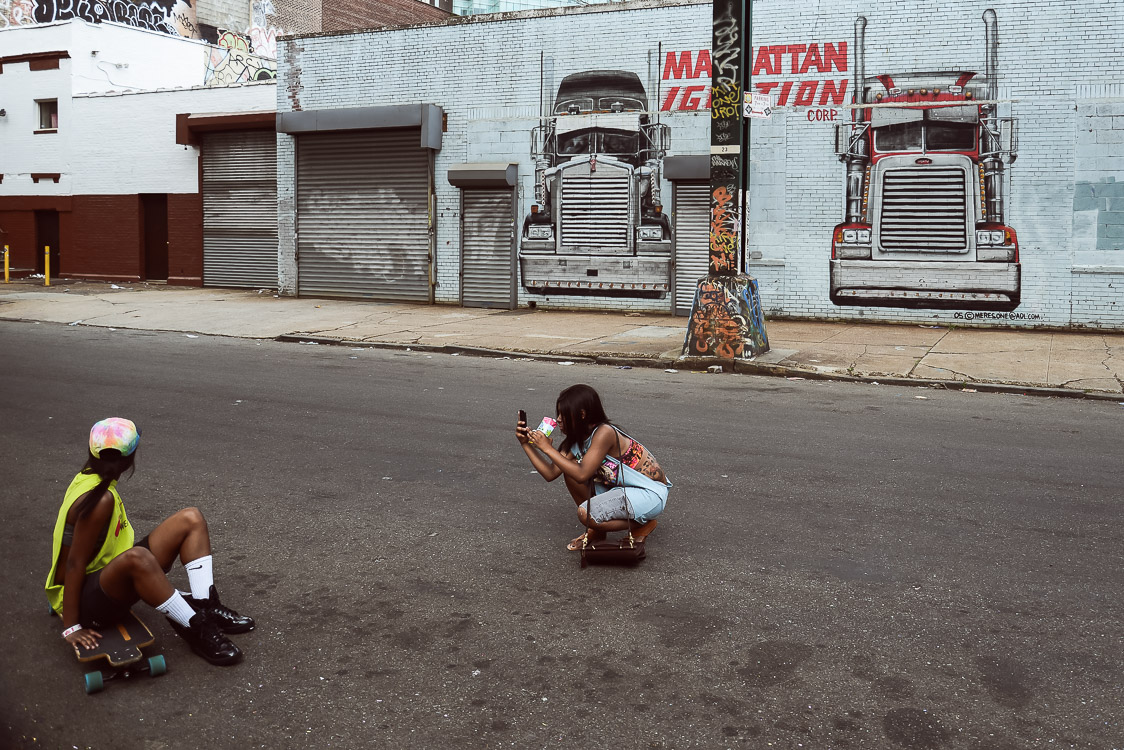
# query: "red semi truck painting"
925 156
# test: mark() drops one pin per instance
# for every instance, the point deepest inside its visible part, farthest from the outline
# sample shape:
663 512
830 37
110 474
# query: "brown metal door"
154 210
47 235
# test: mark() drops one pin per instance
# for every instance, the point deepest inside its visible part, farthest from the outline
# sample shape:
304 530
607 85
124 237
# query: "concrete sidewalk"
1088 364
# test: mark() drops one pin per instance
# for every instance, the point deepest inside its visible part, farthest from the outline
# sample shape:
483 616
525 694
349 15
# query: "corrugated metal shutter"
362 215
487 249
692 241
240 208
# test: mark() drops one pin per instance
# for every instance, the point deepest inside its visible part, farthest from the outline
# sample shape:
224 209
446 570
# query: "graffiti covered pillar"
726 319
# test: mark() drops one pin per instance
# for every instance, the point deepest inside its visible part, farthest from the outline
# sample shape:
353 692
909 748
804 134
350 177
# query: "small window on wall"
48 115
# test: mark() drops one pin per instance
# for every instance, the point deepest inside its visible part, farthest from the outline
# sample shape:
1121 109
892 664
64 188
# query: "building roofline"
610 7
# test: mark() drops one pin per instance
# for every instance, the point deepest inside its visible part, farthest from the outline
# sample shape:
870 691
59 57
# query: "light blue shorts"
631 503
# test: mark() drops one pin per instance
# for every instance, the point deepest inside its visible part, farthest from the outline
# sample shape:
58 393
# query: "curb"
700 363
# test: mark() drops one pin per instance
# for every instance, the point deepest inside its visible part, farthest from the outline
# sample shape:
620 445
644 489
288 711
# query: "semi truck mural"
924 158
597 225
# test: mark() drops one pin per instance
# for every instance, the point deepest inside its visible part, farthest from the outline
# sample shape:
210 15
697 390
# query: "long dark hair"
109 466
571 403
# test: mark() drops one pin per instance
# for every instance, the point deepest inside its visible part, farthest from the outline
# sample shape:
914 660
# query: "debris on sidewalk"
714 369
671 371
193 336
923 398
625 367
793 378
567 362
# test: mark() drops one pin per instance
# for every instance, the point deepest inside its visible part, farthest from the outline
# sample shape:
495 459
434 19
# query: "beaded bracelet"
71 629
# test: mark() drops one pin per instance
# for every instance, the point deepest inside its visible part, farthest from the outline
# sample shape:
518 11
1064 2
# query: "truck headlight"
851 235
864 236
540 232
650 233
989 237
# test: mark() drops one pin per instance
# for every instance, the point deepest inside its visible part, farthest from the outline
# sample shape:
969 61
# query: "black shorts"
97 608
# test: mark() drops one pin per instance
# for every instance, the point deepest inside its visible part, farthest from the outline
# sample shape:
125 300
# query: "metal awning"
483 175
678 168
428 117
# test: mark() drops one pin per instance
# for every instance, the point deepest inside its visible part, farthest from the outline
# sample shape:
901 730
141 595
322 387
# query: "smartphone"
523 417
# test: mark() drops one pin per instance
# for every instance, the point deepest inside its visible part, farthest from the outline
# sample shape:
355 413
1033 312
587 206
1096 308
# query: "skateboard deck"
120 647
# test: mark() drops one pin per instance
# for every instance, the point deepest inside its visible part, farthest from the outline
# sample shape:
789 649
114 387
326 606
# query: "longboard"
120 646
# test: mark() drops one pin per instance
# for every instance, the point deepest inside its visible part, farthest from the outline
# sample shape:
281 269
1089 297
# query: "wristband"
71 629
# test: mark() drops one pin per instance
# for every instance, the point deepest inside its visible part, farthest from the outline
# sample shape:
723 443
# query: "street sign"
757 105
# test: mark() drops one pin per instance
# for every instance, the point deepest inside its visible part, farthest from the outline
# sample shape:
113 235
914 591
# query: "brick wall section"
185 239
1062 85
341 15
17 231
105 241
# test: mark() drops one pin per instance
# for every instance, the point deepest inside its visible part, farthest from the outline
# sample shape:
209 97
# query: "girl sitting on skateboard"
628 487
97 572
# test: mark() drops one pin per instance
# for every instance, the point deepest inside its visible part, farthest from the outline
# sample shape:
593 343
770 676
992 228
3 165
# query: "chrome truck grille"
925 210
595 210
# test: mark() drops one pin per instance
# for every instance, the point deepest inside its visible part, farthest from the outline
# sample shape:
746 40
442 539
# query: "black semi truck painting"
597 226
924 225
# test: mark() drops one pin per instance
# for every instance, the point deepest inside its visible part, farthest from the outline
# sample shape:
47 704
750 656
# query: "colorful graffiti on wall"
226 66
263 37
726 319
166 16
924 159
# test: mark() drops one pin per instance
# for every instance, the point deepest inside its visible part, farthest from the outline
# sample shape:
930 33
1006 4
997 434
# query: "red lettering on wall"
702 64
691 99
836 56
763 66
795 50
806 94
786 89
836 94
679 68
812 58
669 99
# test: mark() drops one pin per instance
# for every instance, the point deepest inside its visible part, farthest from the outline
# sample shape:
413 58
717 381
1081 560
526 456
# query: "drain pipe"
992 163
856 160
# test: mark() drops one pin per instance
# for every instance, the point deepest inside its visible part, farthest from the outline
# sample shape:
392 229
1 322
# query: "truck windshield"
927 136
594 142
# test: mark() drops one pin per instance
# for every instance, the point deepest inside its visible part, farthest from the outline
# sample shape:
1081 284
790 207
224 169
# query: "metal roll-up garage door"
363 215
692 241
487 248
240 208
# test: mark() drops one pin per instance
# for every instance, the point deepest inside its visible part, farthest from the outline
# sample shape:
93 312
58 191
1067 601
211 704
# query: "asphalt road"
839 566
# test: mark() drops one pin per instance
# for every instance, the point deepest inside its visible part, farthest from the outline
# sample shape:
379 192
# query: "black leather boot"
226 618
205 639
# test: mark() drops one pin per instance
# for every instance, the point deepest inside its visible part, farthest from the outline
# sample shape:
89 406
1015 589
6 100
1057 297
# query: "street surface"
839 566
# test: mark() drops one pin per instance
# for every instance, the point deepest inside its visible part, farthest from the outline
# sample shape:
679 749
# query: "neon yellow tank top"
118 537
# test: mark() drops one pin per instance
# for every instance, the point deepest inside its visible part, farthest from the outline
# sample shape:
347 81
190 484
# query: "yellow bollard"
6 278
46 265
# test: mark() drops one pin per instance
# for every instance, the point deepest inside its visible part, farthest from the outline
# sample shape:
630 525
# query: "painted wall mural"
597 225
924 157
226 66
166 16
263 37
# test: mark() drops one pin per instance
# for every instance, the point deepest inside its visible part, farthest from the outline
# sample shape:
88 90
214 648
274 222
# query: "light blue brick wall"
1060 72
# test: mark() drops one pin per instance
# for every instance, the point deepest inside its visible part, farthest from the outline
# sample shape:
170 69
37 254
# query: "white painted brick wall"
1060 72
115 136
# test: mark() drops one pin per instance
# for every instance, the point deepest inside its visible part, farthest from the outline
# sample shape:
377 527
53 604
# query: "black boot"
226 618
205 639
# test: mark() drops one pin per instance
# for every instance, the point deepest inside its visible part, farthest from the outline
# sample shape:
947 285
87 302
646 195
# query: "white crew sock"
200 576
177 608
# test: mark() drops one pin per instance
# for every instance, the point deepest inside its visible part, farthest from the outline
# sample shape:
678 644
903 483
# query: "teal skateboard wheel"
157 666
94 682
